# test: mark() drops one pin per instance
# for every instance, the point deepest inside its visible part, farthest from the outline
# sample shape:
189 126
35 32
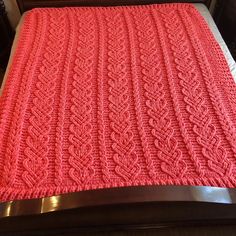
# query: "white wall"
12 12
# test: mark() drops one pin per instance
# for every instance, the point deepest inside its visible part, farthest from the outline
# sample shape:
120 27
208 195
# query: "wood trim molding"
137 207
116 196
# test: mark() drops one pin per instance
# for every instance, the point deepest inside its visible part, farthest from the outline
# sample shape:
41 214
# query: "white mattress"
201 8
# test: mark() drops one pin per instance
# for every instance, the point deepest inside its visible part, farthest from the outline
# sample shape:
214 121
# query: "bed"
126 207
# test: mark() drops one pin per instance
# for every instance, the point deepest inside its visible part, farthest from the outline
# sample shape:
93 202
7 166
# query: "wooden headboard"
25 5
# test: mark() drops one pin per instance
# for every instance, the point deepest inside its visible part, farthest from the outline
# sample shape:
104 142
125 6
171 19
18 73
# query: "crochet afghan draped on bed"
117 96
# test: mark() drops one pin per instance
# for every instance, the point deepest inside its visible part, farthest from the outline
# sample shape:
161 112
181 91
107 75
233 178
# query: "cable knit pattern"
138 111
81 157
122 136
227 124
100 101
36 151
195 102
12 150
116 96
60 128
168 151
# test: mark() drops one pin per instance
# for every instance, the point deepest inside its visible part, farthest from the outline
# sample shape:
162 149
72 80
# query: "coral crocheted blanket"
117 96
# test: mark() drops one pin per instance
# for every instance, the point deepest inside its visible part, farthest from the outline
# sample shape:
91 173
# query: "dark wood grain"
115 196
126 217
25 5
123 208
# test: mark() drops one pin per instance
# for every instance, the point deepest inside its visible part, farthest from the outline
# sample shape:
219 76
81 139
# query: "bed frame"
6 38
118 208
25 5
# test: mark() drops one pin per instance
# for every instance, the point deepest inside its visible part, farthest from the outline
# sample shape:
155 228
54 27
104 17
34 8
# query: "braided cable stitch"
36 152
123 145
168 151
81 158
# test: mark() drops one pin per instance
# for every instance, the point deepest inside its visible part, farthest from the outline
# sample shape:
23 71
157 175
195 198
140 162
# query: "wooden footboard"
123 208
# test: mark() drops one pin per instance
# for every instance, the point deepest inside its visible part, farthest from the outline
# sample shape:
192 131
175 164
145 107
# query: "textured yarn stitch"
116 96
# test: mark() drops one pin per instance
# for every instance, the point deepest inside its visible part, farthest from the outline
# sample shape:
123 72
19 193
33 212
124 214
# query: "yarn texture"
118 96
